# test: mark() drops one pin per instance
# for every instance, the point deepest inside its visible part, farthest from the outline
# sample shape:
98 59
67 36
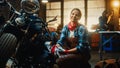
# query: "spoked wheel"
7 47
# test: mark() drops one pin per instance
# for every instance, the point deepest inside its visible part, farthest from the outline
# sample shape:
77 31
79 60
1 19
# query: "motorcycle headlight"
30 6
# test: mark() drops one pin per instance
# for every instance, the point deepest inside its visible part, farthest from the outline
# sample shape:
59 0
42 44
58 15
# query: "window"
95 9
53 9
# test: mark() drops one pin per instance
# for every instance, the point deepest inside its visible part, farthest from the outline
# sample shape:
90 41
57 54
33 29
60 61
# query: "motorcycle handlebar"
54 19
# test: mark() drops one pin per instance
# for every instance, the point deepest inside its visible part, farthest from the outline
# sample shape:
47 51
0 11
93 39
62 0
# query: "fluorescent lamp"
44 1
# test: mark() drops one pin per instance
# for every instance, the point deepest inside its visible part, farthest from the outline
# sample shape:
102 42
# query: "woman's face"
74 16
107 15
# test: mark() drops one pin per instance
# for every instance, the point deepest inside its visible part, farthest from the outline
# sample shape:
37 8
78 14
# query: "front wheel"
8 44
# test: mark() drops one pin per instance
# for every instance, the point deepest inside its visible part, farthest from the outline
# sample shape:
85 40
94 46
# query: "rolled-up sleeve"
82 39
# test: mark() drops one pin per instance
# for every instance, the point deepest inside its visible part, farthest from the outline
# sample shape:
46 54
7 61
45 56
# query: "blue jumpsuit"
78 39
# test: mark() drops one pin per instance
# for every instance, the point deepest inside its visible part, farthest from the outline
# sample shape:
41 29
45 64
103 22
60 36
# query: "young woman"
73 45
105 20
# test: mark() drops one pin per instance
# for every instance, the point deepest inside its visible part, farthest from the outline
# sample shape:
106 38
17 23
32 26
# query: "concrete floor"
106 55
96 58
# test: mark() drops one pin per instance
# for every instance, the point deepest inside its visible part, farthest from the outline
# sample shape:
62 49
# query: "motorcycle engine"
20 21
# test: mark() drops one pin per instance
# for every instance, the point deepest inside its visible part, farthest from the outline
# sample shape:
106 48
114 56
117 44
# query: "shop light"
44 1
116 3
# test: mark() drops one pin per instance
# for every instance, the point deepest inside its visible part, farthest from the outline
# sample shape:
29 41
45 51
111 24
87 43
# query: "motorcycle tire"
8 44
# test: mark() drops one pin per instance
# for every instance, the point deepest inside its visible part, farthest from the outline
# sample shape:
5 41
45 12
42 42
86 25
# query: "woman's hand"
57 49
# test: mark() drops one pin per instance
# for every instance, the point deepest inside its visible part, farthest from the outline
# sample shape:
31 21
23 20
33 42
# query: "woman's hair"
80 14
107 12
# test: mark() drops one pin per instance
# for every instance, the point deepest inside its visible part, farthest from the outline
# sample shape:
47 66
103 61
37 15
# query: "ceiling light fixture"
44 1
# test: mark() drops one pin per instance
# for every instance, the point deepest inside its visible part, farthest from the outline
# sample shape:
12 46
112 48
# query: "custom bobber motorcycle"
23 37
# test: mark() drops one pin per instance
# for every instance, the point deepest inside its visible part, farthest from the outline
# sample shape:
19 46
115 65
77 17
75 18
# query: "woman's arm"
62 36
82 38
